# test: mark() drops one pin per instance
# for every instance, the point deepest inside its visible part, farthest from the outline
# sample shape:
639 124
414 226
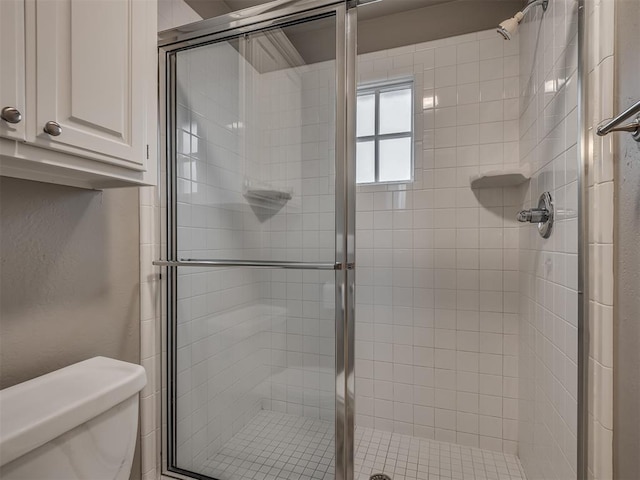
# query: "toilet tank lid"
37 411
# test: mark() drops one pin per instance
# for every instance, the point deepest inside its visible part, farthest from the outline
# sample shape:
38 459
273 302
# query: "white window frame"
377 89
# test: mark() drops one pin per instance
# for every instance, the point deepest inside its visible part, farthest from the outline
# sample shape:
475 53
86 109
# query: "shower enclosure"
466 357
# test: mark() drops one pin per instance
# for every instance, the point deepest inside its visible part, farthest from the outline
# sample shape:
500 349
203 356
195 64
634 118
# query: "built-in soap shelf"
267 196
265 199
500 178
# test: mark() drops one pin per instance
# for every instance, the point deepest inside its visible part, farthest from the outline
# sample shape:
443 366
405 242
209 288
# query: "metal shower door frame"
215 30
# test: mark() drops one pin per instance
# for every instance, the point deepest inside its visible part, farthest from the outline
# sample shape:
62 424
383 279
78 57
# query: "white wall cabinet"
12 65
90 83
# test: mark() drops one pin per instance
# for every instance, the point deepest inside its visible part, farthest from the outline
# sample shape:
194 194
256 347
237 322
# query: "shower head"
509 27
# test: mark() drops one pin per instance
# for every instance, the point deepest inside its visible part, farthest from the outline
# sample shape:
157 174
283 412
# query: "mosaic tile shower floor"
277 446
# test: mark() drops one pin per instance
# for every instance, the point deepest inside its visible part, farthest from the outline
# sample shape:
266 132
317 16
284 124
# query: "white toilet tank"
80 422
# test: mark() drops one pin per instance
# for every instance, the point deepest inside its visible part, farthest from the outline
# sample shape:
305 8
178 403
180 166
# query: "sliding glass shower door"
259 327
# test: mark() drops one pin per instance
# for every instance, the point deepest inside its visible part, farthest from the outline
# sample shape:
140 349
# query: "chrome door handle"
11 115
52 128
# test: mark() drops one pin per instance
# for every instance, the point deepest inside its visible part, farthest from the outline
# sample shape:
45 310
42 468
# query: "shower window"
384 133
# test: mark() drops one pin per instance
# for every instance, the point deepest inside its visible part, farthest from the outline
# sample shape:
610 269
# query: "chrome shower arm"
535 3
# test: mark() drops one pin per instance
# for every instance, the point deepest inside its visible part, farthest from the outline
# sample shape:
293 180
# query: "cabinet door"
12 68
93 78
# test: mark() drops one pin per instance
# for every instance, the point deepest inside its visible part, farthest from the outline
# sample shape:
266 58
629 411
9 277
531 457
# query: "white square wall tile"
453 241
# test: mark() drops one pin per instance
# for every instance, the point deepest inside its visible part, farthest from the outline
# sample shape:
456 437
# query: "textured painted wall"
626 359
174 13
68 278
436 22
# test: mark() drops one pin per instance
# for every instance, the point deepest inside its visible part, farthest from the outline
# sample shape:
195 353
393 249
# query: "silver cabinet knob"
11 115
52 128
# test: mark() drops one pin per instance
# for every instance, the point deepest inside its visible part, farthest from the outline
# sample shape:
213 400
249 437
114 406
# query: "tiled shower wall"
437 276
601 164
549 268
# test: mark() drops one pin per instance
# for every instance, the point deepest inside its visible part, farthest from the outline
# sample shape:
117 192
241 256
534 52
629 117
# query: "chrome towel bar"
613 124
248 263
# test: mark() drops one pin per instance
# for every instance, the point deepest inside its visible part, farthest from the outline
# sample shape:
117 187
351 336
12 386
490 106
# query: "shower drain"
379 476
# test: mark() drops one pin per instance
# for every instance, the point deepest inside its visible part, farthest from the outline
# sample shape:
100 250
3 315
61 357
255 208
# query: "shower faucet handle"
543 215
533 215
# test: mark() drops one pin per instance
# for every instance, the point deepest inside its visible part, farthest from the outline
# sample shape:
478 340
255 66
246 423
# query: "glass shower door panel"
255 369
255 182
256 146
